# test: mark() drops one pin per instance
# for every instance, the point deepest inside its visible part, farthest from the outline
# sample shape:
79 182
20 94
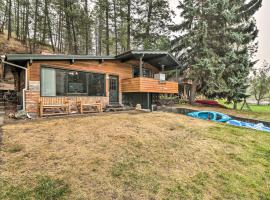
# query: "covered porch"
146 87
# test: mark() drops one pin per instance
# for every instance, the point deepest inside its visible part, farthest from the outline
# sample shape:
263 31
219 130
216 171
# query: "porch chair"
53 103
86 102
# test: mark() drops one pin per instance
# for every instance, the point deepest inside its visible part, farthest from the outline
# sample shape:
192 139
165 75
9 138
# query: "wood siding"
142 84
108 67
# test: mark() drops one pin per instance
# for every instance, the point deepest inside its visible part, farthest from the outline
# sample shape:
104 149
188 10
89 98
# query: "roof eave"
25 57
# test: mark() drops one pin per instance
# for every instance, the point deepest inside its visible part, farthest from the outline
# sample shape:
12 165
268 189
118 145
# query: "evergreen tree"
216 45
153 19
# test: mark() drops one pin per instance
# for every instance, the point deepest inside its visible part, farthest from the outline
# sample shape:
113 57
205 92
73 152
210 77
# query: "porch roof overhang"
158 59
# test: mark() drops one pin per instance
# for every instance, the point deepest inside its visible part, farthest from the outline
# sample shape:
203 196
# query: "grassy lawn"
133 156
265 109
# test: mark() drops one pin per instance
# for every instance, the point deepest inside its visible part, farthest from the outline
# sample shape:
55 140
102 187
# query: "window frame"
74 70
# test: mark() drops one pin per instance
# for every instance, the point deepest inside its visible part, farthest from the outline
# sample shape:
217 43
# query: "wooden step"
114 106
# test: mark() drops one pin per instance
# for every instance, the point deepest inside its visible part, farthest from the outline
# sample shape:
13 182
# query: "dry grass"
15 46
139 156
11 46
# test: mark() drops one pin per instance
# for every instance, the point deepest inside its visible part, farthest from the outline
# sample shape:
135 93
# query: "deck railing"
143 84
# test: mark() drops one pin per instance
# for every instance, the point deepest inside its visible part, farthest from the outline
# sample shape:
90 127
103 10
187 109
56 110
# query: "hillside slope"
13 46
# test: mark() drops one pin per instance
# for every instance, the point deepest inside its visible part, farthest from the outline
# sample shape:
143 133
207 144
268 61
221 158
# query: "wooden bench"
85 102
60 103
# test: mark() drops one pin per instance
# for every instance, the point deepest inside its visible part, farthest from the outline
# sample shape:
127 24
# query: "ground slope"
14 46
133 156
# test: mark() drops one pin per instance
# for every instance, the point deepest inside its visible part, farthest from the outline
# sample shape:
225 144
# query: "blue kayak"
210 115
259 127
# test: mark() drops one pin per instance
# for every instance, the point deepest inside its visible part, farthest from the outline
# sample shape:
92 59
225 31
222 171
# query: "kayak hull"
210 115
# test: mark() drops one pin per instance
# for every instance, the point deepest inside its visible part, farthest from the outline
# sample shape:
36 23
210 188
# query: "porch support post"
141 65
176 74
162 68
148 100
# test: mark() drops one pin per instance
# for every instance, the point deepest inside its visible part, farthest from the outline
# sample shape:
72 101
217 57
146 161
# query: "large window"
58 82
146 72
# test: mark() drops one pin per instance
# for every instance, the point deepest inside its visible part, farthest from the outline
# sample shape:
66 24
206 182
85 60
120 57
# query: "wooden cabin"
134 77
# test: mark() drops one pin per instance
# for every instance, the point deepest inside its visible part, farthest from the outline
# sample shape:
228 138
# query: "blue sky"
263 23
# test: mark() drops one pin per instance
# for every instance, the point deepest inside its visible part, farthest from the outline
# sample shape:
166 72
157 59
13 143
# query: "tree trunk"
115 27
74 37
23 22
35 27
49 24
147 32
59 35
26 23
68 28
235 105
258 102
18 20
44 30
4 18
192 95
107 29
99 38
128 24
86 28
9 21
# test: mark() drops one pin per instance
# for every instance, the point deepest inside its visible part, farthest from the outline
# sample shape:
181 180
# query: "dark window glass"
72 83
146 72
77 83
61 82
96 84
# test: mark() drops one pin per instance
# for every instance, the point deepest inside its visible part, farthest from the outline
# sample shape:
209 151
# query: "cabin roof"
158 59
155 58
26 57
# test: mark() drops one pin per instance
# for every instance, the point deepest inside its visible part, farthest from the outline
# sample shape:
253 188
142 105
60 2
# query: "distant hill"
15 46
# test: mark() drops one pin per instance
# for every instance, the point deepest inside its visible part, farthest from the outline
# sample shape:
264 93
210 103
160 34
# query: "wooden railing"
142 84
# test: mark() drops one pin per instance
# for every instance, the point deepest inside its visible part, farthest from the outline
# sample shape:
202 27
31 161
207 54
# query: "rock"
138 107
21 114
11 115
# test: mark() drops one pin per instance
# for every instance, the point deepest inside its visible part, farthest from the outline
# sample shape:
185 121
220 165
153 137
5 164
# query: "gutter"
26 76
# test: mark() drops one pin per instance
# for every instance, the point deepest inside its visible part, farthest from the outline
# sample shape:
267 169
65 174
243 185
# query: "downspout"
26 77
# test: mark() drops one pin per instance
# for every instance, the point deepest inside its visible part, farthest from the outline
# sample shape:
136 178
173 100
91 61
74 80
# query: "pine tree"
216 45
191 47
153 19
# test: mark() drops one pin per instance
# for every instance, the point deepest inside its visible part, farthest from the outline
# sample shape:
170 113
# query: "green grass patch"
194 189
48 188
45 188
15 148
254 108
